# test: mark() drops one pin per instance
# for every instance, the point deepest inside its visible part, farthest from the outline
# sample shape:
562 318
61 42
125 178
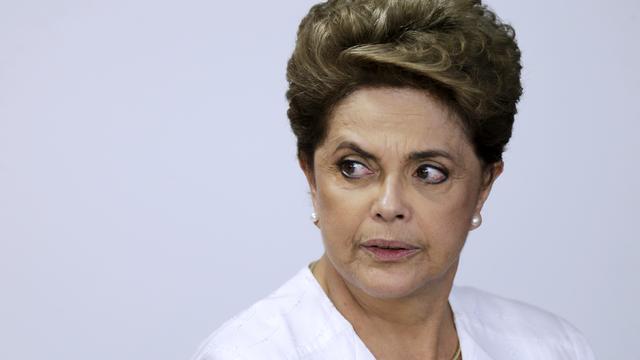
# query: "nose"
390 204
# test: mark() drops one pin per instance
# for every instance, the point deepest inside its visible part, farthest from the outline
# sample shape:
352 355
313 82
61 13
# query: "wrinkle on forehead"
389 120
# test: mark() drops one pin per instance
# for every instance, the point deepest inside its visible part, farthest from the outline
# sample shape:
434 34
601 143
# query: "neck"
424 316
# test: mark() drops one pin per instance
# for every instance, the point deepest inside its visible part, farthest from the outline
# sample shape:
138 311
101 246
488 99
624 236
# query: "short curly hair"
457 50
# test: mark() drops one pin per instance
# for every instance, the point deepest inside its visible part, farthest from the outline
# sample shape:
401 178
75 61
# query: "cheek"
341 212
446 216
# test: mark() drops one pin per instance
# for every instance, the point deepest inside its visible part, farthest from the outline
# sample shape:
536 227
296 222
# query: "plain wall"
149 188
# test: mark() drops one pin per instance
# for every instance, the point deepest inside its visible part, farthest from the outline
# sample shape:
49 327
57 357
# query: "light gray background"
149 188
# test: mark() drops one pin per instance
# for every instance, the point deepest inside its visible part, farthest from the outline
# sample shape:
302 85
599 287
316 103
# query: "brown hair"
457 50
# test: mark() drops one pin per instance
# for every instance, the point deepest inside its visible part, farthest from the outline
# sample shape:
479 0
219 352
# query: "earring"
476 221
314 218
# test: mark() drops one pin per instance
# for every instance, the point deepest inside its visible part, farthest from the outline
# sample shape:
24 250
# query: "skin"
400 310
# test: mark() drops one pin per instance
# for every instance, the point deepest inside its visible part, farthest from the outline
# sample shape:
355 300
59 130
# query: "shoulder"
277 326
498 314
517 326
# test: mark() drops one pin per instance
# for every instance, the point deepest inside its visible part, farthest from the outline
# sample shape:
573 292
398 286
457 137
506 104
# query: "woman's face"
395 166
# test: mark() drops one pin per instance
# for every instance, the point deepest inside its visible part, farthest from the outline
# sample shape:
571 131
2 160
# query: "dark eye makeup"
427 173
431 174
353 169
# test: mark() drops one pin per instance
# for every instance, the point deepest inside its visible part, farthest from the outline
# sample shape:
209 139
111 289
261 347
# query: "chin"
386 283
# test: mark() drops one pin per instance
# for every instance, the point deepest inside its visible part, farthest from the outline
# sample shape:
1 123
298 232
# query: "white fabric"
298 321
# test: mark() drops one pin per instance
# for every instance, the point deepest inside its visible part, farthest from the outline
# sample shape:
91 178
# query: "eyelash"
345 162
443 172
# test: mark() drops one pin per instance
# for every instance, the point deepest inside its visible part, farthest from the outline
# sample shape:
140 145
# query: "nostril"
383 217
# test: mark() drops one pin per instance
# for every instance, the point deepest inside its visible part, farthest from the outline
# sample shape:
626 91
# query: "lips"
389 244
389 251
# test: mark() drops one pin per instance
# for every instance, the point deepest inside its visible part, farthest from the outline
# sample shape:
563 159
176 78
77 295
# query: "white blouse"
299 321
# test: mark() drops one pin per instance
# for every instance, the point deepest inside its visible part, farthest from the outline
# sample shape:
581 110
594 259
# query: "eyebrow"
414 156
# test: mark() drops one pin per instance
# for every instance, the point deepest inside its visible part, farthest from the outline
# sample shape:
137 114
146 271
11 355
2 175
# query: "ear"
310 176
489 176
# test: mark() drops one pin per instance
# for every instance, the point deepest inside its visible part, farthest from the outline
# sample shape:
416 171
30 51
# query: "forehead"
402 118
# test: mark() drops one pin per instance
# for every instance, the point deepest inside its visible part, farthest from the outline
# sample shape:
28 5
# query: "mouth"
389 244
389 250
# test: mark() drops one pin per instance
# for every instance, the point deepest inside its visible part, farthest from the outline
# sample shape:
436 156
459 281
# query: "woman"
401 110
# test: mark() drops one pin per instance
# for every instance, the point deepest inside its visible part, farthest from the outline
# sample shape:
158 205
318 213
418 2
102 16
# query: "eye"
353 169
431 174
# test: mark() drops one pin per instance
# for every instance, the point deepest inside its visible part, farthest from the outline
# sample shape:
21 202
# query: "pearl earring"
314 217
476 221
